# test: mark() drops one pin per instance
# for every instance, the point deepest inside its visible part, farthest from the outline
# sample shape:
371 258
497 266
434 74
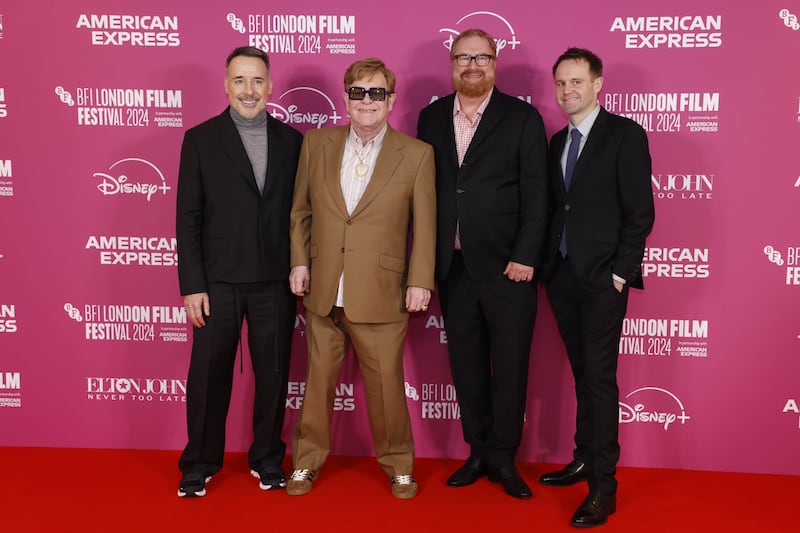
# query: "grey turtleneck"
253 133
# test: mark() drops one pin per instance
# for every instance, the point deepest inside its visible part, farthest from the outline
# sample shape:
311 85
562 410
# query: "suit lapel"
557 150
333 152
388 160
450 132
491 117
232 144
275 155
591 147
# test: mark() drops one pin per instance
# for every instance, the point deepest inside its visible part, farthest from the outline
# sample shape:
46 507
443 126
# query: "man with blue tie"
600 172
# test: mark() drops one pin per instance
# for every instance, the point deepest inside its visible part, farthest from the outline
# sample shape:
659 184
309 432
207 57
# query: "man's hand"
197 307
299 280
417 299
518 272
618 285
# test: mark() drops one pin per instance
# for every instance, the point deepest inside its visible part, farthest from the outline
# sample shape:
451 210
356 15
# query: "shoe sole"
270 487
461 483
198 493
585 526
279 485
182 494
404 495
560 483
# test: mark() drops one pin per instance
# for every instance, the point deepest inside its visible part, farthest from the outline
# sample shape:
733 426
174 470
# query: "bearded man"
491 188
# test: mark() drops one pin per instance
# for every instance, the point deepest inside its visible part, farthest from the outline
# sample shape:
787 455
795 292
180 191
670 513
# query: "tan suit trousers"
379 351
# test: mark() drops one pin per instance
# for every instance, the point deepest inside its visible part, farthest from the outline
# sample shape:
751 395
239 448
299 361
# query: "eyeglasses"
463 60
376 94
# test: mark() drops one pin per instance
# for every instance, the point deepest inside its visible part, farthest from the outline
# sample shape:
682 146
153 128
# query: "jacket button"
460 191
349 221
566 207
342 250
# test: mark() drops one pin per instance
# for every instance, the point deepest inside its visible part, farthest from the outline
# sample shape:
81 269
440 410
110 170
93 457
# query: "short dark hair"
248 51
474 32
595 63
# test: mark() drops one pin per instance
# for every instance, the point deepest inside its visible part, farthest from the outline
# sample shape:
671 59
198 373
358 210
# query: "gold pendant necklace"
362 168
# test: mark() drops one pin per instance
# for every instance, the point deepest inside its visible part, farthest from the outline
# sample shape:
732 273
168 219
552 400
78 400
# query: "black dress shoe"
513 484
569 475
468 474
595 509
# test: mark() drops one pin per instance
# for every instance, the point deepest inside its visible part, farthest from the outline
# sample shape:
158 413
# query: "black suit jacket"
227 231
608 209
498 195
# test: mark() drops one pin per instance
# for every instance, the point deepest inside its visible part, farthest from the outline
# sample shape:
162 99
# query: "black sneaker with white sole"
269 480
193 484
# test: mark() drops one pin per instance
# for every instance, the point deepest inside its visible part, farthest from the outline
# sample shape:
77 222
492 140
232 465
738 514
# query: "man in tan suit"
359 190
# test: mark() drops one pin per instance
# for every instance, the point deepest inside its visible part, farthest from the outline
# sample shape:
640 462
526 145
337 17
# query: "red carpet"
69 490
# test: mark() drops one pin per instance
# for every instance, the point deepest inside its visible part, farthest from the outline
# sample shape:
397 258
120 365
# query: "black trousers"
591 324
489 327
269 309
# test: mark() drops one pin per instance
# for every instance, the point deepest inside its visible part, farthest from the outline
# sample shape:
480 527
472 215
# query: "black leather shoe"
569 475
468 474
513 484
595 509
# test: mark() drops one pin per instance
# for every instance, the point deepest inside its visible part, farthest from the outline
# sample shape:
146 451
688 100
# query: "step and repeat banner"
95 97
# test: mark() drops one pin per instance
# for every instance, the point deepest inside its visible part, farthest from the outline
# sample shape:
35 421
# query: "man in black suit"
235 188
491 187
602 212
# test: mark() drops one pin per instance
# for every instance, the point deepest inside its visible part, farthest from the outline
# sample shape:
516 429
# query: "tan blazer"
371 244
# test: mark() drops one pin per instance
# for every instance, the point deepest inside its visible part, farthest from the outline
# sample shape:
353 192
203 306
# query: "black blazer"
608 209
227 231
499 193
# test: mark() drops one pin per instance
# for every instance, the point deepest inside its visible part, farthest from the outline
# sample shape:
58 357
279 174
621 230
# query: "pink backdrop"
95 97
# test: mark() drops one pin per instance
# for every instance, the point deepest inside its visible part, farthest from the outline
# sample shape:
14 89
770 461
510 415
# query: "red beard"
473 89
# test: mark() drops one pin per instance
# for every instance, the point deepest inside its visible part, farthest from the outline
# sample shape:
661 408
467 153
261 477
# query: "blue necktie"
572 158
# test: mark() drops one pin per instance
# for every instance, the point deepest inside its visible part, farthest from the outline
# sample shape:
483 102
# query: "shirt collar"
481 108
586 124
377 140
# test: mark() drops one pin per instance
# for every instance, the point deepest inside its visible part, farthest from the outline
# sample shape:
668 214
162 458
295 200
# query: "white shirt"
584 127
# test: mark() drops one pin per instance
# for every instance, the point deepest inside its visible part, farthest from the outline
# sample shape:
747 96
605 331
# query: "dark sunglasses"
376 94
